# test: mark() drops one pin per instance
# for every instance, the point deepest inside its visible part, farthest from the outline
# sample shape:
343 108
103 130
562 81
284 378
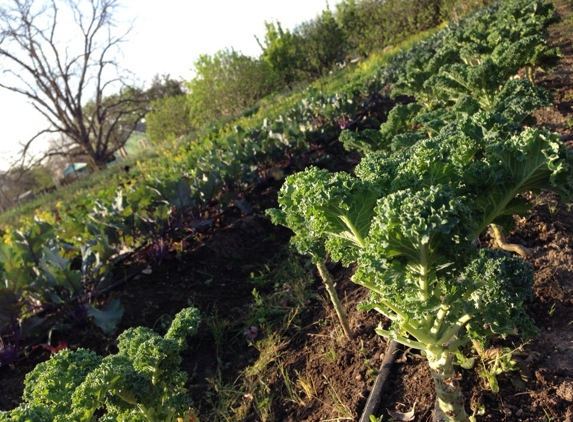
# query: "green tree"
321 43
371 25
279 52
225 84
112 120
42 177
168 119
162 86
348 17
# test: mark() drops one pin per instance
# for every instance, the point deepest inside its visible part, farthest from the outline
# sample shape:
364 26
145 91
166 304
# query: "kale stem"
437 322
399 339
510 247
456 344
375 289
329 285
424 272
386 314
429 322
148 417
449 398
411 329
450 332
359 240
421 335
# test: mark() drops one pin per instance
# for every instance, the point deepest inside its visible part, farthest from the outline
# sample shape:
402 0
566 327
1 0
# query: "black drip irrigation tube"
380 383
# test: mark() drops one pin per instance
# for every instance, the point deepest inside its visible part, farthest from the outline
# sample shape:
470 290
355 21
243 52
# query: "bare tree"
60 55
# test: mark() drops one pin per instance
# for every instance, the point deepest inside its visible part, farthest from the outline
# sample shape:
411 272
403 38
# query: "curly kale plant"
142 382
409 221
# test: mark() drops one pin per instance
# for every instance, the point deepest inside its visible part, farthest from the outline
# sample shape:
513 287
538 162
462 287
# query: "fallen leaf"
61 345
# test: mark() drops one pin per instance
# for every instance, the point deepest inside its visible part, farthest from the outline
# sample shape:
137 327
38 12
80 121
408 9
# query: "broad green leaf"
531 161
107 317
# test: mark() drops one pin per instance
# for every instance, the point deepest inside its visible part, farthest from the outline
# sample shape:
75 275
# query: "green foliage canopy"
168 119
225 84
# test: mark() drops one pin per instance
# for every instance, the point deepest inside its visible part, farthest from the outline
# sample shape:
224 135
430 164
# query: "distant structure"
26 196
74 172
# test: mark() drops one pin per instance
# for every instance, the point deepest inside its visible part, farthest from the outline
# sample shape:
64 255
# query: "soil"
218 270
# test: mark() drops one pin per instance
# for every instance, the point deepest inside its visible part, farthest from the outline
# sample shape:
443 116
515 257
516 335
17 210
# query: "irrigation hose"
380 383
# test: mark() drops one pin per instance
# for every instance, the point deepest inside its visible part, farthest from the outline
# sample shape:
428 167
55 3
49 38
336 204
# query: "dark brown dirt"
215 272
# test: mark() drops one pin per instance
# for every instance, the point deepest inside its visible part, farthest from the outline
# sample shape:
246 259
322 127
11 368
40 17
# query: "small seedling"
330 356
552 309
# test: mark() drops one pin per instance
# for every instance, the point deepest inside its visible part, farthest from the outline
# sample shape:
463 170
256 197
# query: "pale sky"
167 38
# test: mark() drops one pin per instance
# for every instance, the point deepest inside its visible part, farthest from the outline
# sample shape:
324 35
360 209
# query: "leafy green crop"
409 220
142 382
436 175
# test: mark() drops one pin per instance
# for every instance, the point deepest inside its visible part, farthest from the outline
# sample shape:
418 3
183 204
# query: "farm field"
270 347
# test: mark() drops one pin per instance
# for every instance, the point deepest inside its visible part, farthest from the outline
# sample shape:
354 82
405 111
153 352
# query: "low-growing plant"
38 272
409 221
142 382
495 362
308 240
344 411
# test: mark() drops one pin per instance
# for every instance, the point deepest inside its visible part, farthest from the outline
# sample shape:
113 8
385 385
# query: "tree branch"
56 74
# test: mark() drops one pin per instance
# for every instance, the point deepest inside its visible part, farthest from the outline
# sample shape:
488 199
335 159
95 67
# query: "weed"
264 407
568 97
280 292
292 279
260 280
330 356
257 297
341 407
307 386
291 387
257 389
496 361
548 416
553 208
269 351
478 408
337 332
338 335
223 400
364 352
218 327
371 373
552 309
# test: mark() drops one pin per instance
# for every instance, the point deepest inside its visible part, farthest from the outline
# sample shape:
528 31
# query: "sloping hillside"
270 348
